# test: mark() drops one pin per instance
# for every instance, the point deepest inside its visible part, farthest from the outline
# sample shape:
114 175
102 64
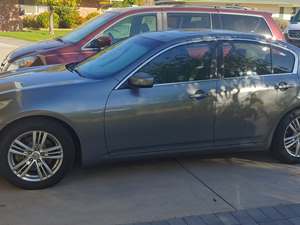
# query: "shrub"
91 15
43 20
30 22
68 17
80 20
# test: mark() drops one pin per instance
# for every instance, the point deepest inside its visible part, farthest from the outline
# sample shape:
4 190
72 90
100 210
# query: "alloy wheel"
35 156
292 138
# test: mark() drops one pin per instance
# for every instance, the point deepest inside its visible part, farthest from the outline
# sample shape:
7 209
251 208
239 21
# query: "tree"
55 3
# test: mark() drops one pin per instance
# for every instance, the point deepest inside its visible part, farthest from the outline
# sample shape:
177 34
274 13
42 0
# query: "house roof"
292 3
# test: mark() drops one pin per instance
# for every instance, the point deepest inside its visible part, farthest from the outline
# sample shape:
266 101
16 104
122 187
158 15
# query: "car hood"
38 78
293 26
37 47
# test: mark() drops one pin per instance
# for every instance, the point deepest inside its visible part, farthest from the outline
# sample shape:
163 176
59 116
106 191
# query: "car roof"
176 36
190 7
179 35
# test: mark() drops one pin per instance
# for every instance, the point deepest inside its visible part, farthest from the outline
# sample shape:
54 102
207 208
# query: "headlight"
24 62
4 64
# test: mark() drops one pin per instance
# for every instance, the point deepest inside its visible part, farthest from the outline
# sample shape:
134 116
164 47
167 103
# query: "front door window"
189 62
132 26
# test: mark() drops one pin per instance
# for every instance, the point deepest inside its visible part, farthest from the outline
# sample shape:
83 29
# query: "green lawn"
34 35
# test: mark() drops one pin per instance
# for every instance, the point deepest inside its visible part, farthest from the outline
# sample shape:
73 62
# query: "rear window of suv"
241 23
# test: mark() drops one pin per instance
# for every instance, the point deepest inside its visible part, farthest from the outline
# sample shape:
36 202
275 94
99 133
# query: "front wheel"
286 142
36 153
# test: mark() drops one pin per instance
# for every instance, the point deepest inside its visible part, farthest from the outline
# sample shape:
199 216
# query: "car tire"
36 153
286 141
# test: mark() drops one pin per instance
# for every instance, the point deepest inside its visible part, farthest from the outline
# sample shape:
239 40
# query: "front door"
258 84
177 111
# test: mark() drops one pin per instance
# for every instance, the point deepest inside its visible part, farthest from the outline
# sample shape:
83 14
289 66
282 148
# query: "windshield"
87 28
117 57
297 18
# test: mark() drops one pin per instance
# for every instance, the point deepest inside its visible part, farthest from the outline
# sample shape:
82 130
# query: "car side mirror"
141 80
101 42
292 19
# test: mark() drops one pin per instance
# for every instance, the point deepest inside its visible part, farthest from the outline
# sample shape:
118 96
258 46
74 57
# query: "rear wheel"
286 143
36 153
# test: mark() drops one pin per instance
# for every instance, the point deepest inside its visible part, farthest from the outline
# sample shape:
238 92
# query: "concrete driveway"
150 190
9 44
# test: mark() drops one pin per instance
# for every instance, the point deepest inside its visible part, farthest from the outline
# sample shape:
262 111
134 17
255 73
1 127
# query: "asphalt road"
150 190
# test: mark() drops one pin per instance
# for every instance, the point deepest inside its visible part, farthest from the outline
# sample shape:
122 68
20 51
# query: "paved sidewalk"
278 215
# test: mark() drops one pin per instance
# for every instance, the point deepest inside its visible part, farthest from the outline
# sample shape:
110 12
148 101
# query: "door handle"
283 86
199 94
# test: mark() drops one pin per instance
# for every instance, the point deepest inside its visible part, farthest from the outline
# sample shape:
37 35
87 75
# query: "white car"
292 32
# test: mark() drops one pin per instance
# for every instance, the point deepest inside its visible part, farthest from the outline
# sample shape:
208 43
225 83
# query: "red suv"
120 24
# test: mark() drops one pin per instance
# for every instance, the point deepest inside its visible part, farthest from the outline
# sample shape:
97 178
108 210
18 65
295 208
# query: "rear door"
259 83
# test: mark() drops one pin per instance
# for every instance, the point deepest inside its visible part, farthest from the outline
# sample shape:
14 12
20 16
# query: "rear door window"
242 23
188 21
242 58
283 61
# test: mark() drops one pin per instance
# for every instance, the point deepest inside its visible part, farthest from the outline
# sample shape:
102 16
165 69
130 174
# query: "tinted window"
248 24
216 21
188 20
282 60
132 26
87 28
296 18
184 63
116 58
245 59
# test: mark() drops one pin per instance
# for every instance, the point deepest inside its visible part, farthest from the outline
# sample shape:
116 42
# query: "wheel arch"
64 123
270 142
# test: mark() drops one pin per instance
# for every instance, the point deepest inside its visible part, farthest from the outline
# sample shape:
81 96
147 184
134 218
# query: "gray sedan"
154 94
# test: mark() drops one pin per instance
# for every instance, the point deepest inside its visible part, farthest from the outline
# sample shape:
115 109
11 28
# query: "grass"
34 35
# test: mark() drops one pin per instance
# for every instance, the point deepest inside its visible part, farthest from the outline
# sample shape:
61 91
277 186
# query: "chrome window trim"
85 48
198 40
184 82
